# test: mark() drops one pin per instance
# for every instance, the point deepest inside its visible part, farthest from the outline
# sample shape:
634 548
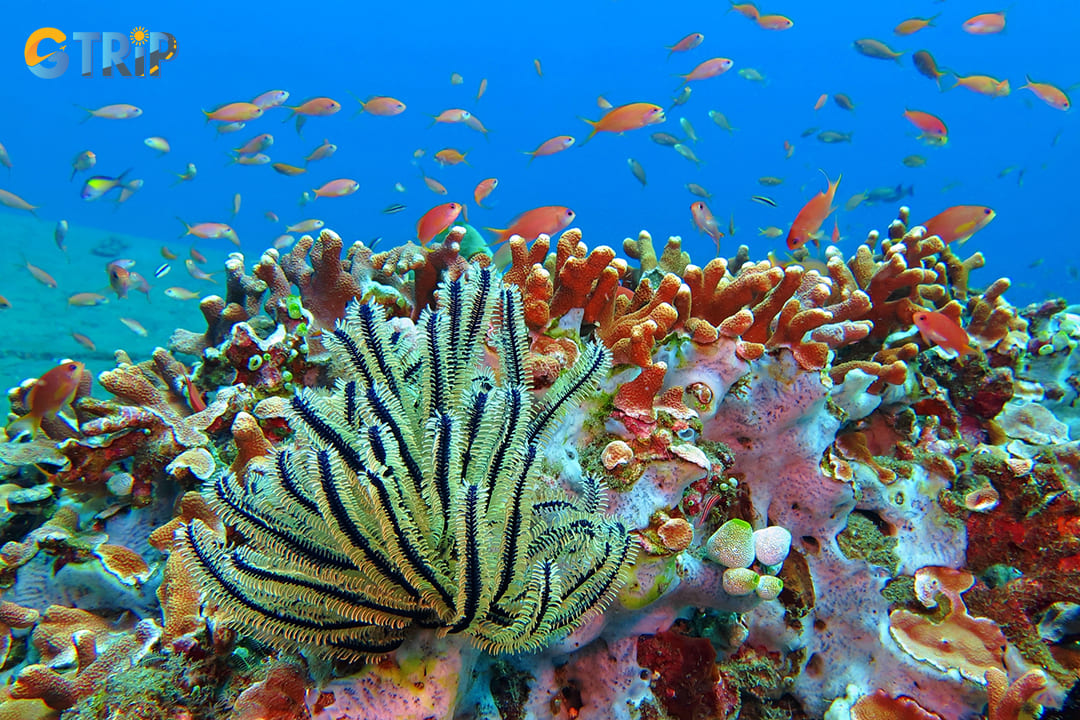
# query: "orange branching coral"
250 442
798 307
717 296
441 261
993 320
968 644
584 279
633 325
152 424
325 286
178 592
1005 700
673 259
635 398
770 307
527 271
220 317
960 271
574 278
898 284
888 365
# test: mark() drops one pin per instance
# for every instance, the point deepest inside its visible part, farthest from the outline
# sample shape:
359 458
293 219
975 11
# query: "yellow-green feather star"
412 497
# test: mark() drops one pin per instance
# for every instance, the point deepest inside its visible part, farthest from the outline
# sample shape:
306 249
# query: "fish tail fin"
28 423
593 124
88 111
357 98
186 226
502 233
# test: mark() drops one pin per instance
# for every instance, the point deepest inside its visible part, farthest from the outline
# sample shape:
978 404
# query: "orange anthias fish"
40 275
706 222
451 156
927 66
985 23
774 22
959 222
627 117
50 392
15 202
810 219
1053 96
382 106
483 189
689 42
708 69
930 125
747 10
436 220
317 107
255 144
433 185
546 220
337 188
984 85
914 25
211 231
550 147
234 112
940 329
453 115
119 278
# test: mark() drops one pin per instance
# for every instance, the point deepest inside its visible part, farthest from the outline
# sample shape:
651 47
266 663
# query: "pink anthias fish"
708 69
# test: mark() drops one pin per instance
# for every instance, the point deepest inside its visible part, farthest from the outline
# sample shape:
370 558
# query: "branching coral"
415 508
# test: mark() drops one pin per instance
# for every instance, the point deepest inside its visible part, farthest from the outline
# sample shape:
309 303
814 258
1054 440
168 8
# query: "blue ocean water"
616 48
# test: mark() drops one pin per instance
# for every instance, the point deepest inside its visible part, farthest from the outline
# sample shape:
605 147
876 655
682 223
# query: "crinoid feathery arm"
412 496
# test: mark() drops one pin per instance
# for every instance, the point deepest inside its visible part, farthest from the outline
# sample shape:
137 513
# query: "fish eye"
986 211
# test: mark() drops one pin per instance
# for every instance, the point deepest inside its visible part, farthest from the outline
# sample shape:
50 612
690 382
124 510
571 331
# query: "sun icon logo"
139 36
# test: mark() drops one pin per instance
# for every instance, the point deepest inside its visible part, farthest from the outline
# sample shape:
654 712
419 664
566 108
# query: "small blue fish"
163 270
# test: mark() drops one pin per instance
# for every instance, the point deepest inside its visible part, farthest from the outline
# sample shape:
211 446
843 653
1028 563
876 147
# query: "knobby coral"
414 495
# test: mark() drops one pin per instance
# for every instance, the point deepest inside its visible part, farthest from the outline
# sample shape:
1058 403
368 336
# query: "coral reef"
400 485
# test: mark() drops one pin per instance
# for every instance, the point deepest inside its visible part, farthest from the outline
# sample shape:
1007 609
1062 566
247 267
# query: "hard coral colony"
402 484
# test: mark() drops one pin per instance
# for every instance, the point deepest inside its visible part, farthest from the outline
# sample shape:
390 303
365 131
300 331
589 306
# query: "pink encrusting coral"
821 513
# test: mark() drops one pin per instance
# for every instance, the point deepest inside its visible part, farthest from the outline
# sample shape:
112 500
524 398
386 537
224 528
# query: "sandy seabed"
36 331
